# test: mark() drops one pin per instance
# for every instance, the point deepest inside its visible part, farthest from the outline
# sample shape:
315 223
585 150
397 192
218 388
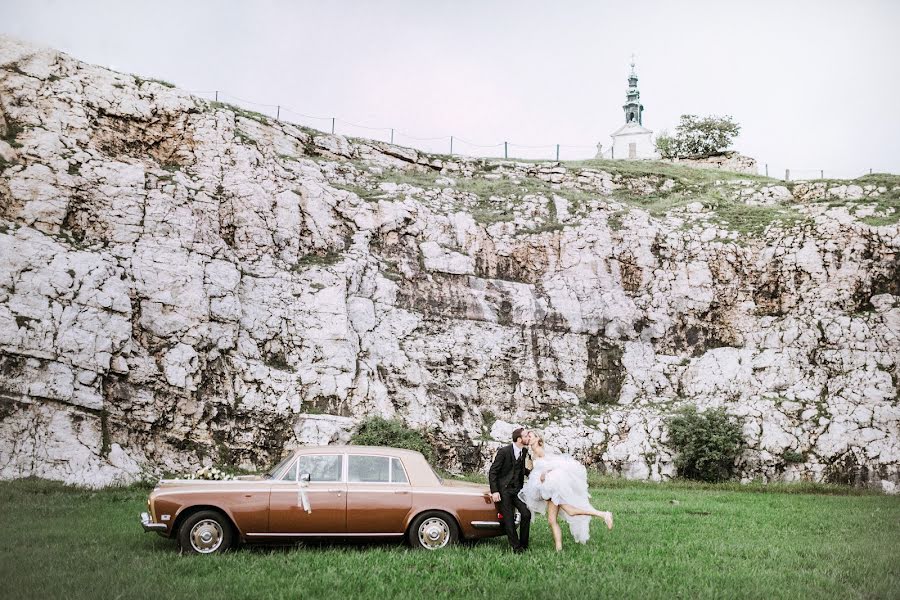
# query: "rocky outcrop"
184 282
726 161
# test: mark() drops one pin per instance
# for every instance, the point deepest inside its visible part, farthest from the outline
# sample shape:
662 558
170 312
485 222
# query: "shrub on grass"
706 444
376 431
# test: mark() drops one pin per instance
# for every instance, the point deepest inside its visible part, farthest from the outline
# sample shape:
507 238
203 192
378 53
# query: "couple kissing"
556 482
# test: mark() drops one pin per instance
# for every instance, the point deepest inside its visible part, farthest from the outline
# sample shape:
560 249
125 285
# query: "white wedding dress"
565 483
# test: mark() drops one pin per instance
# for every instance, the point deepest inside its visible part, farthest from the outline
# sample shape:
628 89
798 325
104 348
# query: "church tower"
633 107
632 140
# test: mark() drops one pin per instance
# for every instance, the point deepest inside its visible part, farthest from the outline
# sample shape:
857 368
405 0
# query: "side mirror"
304 477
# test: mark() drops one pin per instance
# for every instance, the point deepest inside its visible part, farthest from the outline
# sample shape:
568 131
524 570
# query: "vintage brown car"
330 491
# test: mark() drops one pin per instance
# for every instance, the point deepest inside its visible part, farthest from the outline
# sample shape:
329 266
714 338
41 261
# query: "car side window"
370 469
398 473
291 473
321 467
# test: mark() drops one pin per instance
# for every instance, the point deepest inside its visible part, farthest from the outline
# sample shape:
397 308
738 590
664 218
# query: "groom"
507 476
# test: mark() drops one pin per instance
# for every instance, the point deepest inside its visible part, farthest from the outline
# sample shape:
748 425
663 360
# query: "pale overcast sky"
814 84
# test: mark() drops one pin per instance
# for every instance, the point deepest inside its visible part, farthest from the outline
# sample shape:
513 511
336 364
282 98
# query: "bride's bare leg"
552 514
574 511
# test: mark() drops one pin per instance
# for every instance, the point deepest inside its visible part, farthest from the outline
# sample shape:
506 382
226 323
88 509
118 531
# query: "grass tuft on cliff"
643 168
888 202
498 196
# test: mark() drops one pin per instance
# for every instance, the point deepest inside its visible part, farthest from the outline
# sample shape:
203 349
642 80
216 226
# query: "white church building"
632 140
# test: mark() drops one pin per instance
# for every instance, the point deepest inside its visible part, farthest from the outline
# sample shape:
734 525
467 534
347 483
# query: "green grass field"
670 541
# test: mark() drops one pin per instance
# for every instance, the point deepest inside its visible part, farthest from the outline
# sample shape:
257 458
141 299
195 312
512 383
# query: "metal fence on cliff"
454 145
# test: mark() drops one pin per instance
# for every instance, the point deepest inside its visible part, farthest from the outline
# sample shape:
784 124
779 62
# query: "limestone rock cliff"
185 282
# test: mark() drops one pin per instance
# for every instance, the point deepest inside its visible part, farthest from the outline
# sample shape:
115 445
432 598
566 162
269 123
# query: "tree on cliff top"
698 136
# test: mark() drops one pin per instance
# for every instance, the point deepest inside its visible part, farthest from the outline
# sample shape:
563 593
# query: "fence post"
767 169
612 153
505 153
217 95
451 145
787 174
392 135
870 170
557 153
278 113
821 173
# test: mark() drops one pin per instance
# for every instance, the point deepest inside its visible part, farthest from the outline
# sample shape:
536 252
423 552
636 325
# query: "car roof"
417 468
379 450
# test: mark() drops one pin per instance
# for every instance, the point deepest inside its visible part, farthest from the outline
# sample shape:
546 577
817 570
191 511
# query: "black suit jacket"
504 474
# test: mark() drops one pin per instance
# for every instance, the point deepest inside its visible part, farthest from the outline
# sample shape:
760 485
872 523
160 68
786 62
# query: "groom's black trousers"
509 500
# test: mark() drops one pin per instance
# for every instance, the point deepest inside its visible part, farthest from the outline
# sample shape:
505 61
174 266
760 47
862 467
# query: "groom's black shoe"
519 550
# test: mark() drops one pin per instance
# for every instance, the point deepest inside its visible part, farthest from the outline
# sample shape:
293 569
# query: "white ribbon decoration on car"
302 498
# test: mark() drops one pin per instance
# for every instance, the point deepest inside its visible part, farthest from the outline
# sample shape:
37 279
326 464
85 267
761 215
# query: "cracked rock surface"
184 282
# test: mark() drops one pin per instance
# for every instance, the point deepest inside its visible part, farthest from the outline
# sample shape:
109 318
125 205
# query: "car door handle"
401 492
336 491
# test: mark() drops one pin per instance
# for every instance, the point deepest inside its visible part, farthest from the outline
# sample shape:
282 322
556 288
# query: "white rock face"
183 284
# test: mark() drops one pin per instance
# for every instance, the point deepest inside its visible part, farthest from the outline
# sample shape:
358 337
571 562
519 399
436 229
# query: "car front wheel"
205 532
433 530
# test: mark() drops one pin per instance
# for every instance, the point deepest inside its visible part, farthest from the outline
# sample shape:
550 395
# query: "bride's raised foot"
607 516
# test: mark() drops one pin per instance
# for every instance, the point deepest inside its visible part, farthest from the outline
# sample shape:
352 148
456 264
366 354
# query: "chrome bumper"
149 525
494 524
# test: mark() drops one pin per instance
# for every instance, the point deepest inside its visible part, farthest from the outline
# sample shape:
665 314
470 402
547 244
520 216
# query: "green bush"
706 444
376 431
792 457
665 144
601 396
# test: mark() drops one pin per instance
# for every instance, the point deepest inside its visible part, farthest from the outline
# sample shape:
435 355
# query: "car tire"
205 532
432 530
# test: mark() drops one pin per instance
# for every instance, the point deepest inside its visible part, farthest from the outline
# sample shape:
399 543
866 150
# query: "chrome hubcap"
434 533
206 536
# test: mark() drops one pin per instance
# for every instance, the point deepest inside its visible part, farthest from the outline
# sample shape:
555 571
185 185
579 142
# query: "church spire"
633 107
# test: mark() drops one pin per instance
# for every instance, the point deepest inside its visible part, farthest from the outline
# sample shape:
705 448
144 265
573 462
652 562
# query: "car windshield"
271 472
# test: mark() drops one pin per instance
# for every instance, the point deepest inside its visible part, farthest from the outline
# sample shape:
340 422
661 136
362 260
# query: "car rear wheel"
433 530
205 532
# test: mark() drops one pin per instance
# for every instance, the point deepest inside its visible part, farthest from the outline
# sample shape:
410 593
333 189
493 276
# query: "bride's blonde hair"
537 444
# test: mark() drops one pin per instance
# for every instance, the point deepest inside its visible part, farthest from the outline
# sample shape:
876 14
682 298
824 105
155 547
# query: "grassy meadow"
672 540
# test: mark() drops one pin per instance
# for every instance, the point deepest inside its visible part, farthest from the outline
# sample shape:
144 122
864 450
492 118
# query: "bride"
558 481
